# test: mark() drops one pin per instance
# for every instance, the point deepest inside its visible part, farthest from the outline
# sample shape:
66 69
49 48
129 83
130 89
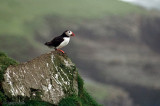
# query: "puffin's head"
69 33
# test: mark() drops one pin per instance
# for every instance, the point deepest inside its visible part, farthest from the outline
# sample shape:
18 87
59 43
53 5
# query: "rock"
49 77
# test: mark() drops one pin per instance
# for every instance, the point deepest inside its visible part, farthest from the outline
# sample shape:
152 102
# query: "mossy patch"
4 63
28 103
82 99
80 86
37 103
72 100
2 97
66 73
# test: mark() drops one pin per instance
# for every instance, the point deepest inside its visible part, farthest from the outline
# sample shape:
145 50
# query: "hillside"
116 43
21 21
19 18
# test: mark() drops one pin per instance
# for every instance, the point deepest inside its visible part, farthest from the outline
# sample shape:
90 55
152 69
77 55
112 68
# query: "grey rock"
49 77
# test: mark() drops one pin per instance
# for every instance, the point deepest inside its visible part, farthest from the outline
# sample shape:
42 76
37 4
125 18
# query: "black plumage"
55 42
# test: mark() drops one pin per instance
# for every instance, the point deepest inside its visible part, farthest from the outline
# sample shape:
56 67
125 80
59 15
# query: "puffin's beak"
73 34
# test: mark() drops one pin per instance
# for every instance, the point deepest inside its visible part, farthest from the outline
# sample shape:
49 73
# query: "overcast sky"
149 4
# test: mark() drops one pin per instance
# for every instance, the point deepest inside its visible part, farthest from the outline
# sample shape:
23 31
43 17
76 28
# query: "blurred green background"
116 47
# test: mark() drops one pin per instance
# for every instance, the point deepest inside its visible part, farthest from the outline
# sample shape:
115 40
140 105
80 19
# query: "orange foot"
60 50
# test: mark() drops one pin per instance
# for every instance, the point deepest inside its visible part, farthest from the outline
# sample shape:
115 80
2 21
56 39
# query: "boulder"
49 77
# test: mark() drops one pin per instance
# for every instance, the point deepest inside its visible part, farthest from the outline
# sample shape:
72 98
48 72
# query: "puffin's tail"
47 44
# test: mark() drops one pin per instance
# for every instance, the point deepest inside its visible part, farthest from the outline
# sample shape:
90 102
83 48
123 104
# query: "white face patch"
69 33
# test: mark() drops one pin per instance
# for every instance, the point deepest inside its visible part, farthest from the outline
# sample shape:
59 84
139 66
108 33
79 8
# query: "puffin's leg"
60 50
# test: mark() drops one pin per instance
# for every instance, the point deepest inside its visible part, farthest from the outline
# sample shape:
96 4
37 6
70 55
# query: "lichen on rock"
49 77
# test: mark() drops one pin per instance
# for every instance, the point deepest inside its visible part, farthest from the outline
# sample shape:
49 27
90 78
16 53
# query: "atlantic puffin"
60 41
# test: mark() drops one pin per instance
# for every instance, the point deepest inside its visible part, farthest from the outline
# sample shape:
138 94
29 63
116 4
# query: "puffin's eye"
69 32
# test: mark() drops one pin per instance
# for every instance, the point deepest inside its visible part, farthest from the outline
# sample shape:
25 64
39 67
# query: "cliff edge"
51 78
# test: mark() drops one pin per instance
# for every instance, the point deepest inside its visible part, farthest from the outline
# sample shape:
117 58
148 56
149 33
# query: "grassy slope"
4 63
83 98
16 14
20 19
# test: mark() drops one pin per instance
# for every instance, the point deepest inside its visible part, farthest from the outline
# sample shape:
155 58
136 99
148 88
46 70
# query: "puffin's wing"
56 41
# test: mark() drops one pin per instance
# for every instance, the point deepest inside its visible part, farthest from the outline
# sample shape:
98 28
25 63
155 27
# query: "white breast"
64 43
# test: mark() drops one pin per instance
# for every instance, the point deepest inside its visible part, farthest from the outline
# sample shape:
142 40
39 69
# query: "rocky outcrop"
49 77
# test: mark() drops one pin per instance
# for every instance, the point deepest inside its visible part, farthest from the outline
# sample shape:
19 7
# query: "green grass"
4 63
28 103
17 15
37 103
82 99
22 18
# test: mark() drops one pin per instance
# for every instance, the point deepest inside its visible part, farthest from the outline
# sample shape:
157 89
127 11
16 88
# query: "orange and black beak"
73 34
